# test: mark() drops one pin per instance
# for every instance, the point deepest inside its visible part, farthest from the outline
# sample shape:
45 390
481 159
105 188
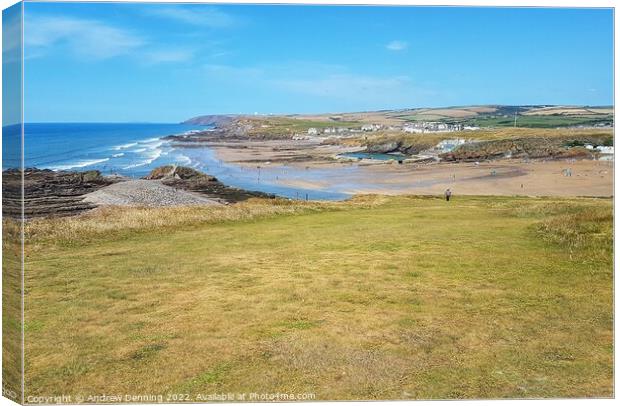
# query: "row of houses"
436 127
341 130
419 127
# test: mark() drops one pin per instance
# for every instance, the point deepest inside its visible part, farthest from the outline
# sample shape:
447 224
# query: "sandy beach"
287 161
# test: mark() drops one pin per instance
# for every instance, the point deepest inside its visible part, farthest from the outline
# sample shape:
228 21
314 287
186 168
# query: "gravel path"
150 193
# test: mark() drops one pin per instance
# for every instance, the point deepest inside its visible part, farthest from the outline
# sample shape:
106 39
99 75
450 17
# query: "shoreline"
501 177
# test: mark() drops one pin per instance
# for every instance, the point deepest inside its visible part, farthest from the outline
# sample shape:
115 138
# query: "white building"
431 127
413 129
335 130
605 150
313 131
371 127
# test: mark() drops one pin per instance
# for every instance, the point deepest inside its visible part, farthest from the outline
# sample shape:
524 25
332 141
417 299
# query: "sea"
134 149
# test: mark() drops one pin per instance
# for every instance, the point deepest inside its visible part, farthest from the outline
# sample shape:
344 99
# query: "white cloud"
397 46
87 38
93 39
201 16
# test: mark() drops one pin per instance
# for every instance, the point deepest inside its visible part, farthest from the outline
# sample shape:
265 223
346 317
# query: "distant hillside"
534 116
217 120
491 116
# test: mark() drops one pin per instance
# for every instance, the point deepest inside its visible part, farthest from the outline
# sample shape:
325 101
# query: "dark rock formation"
402 146
384 148
189 179
178 172
48 193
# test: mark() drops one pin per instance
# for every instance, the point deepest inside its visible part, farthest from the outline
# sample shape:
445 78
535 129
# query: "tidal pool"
372 155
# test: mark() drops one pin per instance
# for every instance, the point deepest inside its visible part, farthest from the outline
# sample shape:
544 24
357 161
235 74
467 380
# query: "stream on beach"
267 178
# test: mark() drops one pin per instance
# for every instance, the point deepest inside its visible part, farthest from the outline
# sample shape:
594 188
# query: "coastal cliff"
216 120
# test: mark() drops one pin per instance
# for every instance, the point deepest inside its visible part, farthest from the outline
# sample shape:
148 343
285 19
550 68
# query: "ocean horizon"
128 149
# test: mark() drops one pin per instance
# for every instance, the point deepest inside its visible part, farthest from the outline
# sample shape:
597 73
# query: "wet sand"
252 153
290 159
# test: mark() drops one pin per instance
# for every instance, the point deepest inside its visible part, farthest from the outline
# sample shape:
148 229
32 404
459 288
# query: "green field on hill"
550 121
523 121
374 298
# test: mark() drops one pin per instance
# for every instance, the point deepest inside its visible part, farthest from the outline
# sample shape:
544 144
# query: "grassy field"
503 116
11 311
286 127
541 121
524 121
375 298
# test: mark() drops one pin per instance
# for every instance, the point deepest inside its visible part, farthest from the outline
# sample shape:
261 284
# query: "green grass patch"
543 121
147 351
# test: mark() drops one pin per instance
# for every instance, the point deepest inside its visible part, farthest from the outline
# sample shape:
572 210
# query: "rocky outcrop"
531 146
515 148
225 129
178 172
49 193
189 179
403 147
383 148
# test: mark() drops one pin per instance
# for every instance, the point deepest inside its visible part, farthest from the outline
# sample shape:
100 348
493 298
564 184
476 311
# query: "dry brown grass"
114 220
568 111
361 117
587 230
11 310
447 113
119 220
583 227
481 109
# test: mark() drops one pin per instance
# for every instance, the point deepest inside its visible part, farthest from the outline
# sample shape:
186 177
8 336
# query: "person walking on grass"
447 194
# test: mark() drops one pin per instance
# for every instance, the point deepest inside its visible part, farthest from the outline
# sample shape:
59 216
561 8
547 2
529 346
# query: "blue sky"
169 62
